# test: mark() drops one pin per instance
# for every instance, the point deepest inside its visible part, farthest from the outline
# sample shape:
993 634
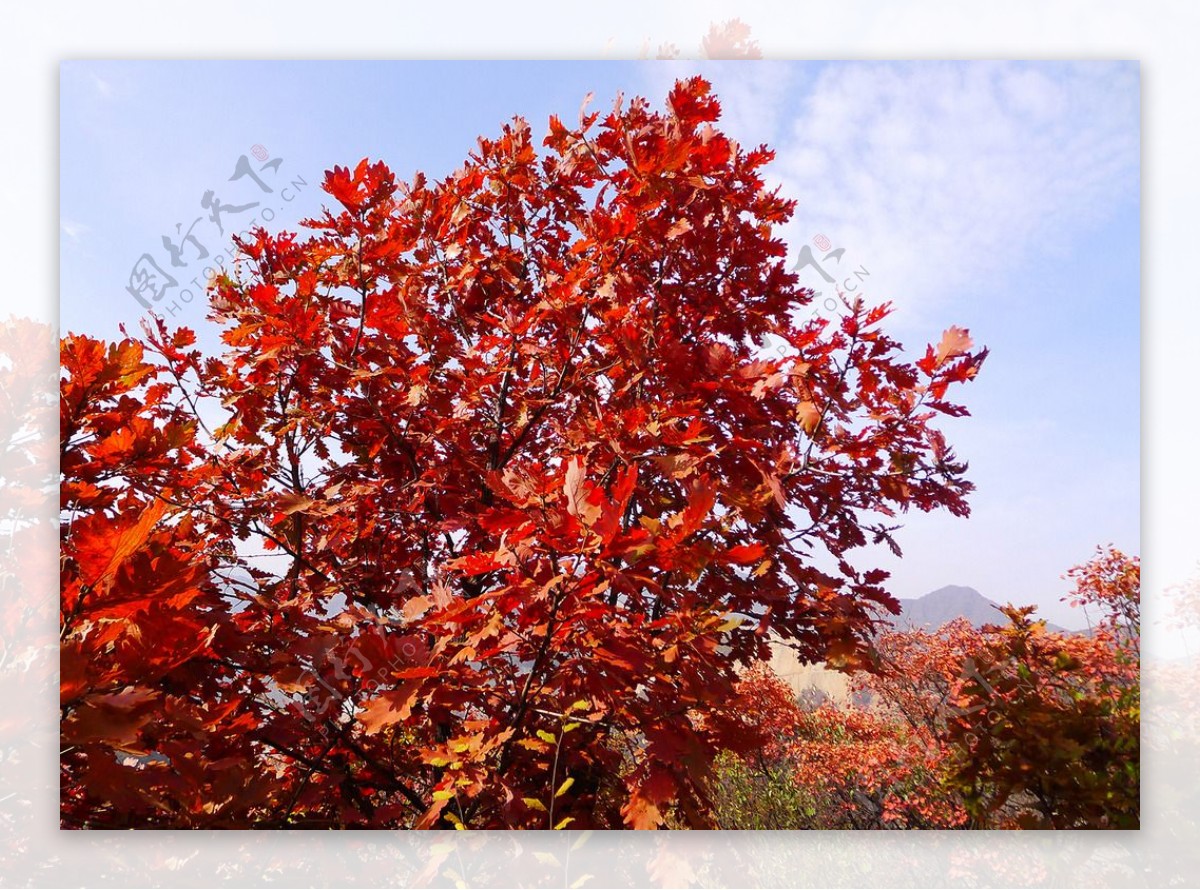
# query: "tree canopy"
547 451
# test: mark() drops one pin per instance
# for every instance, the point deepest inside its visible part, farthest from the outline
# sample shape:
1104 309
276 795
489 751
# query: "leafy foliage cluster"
1007 726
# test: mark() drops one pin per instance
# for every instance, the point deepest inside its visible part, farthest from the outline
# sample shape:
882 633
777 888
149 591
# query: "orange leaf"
393 706
955 341
578 492
294 503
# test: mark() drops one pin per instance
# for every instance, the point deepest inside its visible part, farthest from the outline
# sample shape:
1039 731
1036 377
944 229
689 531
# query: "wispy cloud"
942 175
73 230
103 87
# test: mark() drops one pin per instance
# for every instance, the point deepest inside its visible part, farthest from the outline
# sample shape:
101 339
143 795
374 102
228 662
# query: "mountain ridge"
931 611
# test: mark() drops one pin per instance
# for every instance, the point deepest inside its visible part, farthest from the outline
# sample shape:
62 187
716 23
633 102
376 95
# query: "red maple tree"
545 453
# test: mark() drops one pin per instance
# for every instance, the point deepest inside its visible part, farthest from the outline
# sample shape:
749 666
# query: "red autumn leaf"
475 564
701 500
113 718
100 556
745 554
649 797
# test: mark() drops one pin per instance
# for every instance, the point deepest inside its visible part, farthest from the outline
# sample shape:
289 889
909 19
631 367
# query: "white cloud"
937 175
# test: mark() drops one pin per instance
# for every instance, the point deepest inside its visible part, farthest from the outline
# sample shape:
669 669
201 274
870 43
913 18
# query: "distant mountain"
931 611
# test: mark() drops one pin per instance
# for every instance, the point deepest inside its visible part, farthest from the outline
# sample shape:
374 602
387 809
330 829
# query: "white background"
1162 36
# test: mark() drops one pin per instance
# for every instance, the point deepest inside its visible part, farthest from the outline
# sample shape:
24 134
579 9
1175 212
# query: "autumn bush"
1046 727
832 766
1006 726
495 484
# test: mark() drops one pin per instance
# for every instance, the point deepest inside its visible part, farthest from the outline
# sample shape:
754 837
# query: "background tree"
546 451
877 762
1005 726
1047 731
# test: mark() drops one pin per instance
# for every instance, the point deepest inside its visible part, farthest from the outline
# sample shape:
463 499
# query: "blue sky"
999 197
